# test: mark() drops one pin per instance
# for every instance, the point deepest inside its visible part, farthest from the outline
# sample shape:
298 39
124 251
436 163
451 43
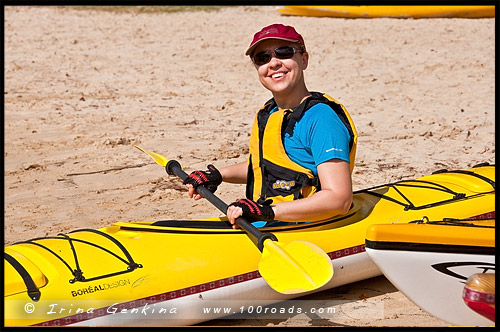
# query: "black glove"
254 211
210 178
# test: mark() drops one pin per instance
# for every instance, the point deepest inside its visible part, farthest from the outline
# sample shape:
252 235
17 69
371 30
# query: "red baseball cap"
276 31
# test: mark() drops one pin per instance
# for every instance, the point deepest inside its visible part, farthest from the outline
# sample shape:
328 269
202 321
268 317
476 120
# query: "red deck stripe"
488 215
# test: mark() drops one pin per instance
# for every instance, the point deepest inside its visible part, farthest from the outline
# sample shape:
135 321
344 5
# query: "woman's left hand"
250 210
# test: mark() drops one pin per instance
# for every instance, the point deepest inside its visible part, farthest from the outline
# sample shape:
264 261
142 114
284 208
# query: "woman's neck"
290 100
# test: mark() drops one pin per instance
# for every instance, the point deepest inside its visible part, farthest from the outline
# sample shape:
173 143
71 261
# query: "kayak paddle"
291 268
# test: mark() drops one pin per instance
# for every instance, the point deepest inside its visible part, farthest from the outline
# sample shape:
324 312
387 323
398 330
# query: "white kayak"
430 262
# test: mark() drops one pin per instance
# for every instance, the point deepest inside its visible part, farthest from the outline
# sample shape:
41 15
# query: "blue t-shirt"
318 136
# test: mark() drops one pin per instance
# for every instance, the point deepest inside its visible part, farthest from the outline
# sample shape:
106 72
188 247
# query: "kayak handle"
173 167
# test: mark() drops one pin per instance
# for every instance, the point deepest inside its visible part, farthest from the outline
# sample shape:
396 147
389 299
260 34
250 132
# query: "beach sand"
83 86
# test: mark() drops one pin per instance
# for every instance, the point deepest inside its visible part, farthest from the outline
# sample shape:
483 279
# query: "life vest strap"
297 113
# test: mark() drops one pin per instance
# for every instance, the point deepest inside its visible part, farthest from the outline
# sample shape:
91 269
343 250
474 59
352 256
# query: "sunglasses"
282 52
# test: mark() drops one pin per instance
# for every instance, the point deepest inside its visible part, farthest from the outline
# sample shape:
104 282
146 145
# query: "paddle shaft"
290 268
174 168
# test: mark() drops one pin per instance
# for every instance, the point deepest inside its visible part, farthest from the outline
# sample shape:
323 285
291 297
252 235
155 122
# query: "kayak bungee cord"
408 205
77 272
32 290
457 221
460 171
131 263
435 186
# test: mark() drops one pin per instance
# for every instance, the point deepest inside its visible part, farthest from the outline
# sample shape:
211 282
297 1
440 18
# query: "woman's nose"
274 62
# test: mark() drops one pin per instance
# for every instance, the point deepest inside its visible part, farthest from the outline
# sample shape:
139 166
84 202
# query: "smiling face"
283 77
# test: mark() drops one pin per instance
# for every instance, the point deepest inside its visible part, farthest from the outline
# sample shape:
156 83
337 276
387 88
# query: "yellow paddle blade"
160 160
295 267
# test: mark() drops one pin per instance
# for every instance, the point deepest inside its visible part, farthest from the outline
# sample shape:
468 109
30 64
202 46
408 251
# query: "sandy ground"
82 87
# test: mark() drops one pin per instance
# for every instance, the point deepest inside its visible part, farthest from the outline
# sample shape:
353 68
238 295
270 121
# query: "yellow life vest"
271 173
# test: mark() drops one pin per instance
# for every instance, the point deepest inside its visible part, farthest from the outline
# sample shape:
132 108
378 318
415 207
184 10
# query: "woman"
302 145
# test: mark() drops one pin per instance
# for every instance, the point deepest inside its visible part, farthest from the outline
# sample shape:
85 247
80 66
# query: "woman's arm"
334 198
236 173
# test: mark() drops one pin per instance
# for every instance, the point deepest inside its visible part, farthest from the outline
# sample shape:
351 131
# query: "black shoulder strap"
263 115
315 98
297 111
33 292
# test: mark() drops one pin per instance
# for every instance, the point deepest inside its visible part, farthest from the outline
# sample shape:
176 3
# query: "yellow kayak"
390 11
430 260
166 273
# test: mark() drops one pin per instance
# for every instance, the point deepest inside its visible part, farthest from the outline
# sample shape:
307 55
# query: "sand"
83 86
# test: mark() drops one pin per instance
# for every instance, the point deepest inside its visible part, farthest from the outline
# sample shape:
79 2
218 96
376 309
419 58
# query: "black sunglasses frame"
269 56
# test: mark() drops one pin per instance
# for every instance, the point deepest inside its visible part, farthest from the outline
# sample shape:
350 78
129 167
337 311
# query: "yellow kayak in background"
166 273
390 11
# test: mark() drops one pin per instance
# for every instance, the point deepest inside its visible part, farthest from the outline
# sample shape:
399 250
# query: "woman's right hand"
211 179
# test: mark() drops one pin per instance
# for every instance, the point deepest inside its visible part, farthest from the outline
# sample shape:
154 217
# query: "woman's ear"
305 60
